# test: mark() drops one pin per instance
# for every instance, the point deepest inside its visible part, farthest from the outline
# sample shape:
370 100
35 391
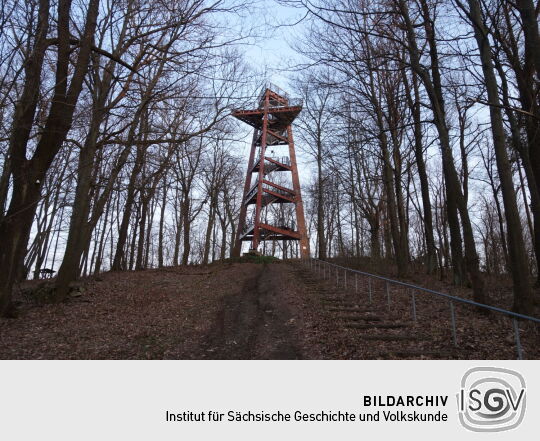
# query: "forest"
419 138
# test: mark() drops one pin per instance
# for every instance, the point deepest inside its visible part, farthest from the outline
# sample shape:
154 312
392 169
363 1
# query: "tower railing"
273 88
292 102
285 160
253 190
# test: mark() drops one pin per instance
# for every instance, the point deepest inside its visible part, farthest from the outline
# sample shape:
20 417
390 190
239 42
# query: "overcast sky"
271 53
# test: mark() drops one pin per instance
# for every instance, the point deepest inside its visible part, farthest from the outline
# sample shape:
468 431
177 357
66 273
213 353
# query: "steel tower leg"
300 219
243 208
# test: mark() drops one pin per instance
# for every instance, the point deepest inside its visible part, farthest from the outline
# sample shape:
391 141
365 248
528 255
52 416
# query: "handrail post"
453 315
518 341
413 299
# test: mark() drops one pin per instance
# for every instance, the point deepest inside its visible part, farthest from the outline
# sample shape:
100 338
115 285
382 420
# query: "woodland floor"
254 311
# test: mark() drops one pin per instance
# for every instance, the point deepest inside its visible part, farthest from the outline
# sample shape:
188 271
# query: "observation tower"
272 175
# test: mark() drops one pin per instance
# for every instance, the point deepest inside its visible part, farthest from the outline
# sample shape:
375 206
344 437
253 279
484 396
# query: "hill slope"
249 311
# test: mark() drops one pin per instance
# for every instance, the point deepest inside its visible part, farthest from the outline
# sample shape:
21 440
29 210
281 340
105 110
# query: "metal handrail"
292 102
451 298
252 191
273 88
431 291
281 159
265 186
247 226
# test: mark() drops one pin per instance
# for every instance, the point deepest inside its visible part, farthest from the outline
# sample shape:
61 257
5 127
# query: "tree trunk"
431 253
209 228
321 239
161 224
29 174
518 256
119 255
454 195
186 221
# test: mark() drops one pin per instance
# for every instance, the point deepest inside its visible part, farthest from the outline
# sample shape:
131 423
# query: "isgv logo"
491 399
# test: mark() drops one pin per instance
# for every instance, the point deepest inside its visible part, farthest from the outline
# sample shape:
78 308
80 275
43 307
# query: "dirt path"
257 323
155 314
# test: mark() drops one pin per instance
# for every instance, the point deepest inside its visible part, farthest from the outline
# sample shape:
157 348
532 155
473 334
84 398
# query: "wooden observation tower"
272 175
